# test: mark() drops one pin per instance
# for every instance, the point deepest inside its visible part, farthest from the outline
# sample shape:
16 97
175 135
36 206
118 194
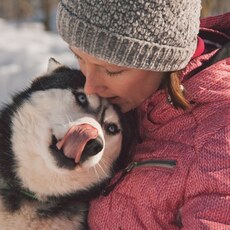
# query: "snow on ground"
24 53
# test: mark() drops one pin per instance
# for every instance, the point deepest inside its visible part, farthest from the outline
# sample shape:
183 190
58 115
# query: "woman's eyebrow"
77 55
106 66
74 52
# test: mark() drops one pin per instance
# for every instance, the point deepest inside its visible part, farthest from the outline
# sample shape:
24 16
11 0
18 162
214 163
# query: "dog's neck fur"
14 196
6 186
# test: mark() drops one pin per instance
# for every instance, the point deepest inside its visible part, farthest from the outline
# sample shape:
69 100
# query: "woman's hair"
175 91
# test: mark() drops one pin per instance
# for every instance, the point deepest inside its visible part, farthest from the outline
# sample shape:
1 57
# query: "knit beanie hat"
158 35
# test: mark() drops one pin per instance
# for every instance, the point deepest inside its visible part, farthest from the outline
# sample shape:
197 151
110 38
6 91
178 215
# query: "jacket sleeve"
207 195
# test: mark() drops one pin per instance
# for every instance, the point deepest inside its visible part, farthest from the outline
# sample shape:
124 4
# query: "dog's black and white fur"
41 188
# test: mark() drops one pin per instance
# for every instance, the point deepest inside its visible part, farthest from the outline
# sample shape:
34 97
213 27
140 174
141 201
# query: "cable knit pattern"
196 193
155 35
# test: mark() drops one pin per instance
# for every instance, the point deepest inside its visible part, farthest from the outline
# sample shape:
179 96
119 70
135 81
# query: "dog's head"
60 140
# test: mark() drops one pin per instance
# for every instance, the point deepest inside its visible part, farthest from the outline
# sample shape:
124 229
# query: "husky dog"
58 147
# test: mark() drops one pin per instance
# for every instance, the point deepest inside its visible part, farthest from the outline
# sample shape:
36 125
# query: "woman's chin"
125 106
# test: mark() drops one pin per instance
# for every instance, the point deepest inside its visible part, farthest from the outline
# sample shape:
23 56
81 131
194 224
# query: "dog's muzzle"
80 142
77 142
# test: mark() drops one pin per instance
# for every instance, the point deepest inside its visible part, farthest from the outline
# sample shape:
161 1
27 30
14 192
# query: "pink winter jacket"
186 185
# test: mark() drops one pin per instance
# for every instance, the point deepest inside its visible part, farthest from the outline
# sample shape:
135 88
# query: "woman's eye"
112 129
109 73
81 99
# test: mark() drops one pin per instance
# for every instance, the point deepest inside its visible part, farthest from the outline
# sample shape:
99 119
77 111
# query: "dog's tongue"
75 140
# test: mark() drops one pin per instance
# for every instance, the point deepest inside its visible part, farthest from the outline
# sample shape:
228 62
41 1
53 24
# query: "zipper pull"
130 167
108 189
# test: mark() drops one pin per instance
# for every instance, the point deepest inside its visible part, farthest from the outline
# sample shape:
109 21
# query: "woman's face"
126 87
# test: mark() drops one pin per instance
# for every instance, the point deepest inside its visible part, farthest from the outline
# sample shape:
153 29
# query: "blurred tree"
214 7
207 7
15 9
26 9
22 9
47 6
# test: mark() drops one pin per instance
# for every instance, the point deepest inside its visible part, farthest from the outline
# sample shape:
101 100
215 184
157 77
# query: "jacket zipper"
151 163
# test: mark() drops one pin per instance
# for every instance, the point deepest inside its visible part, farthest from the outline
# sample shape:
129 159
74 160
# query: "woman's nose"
94 83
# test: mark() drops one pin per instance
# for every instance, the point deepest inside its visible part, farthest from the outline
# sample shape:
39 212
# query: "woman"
147 56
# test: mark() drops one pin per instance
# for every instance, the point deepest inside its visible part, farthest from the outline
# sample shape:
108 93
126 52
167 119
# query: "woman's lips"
113 100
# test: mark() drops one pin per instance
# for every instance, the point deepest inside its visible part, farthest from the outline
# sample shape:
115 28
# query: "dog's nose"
93 147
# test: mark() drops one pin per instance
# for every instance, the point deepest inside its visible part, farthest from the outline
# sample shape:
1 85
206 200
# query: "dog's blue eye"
81 99
112 129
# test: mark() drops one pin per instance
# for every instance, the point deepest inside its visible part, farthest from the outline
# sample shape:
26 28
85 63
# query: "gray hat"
158 35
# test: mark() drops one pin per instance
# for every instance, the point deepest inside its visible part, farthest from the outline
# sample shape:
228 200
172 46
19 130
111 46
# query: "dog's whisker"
104 163
95 170
68 118
58 124
106 174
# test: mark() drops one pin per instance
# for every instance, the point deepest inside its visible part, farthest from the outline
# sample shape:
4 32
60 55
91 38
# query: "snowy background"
25 49
25 45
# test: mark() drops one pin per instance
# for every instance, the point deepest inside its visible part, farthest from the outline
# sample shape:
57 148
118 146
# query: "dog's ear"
53 65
